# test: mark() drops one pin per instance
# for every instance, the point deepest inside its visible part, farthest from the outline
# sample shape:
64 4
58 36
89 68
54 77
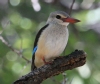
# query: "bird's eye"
58 16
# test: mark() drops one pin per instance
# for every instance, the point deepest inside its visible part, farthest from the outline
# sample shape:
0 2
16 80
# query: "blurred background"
20 20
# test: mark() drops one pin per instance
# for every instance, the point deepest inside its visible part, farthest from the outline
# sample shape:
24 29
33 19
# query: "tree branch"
70 10
14 50
59 65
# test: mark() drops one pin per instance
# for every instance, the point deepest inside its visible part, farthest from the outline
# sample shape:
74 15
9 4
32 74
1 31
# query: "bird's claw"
50 62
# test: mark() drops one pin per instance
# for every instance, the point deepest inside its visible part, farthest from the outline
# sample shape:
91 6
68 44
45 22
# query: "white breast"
53 41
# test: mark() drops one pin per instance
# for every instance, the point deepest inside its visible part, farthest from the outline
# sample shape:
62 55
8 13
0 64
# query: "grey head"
60 17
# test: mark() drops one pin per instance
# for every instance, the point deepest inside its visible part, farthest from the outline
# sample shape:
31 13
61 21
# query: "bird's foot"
60 57
50 62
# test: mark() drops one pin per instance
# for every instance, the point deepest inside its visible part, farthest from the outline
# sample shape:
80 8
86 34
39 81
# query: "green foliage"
19 23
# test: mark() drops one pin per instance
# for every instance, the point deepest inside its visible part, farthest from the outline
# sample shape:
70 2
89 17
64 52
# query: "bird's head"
60 17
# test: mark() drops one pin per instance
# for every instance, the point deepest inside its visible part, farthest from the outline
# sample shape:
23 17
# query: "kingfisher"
51 39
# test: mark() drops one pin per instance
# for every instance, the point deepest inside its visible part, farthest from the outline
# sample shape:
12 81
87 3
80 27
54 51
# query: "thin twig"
64 77
14 50
70 10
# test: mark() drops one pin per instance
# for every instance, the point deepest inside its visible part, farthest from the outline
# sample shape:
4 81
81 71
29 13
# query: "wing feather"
35 45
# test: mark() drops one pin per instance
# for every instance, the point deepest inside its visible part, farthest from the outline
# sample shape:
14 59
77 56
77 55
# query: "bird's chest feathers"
56 37
53 39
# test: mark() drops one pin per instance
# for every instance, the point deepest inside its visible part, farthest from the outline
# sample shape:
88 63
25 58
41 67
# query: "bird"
51 39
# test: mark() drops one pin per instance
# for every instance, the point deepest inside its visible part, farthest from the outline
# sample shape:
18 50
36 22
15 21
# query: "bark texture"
59 65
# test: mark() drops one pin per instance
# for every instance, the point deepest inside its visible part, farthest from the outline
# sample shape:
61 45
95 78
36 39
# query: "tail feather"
33 65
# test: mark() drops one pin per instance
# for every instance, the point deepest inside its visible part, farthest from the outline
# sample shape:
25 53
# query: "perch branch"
59 65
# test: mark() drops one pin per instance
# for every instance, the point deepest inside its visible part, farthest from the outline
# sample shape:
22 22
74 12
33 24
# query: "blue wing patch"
34 50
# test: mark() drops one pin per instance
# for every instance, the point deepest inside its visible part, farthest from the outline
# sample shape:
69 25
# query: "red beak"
70 20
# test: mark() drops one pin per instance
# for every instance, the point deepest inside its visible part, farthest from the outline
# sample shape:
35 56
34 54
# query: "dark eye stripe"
58 16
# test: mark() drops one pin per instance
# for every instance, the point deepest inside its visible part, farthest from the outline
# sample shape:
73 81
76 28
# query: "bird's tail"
33 65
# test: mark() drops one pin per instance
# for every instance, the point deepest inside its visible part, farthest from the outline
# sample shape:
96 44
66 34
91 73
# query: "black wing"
35 44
